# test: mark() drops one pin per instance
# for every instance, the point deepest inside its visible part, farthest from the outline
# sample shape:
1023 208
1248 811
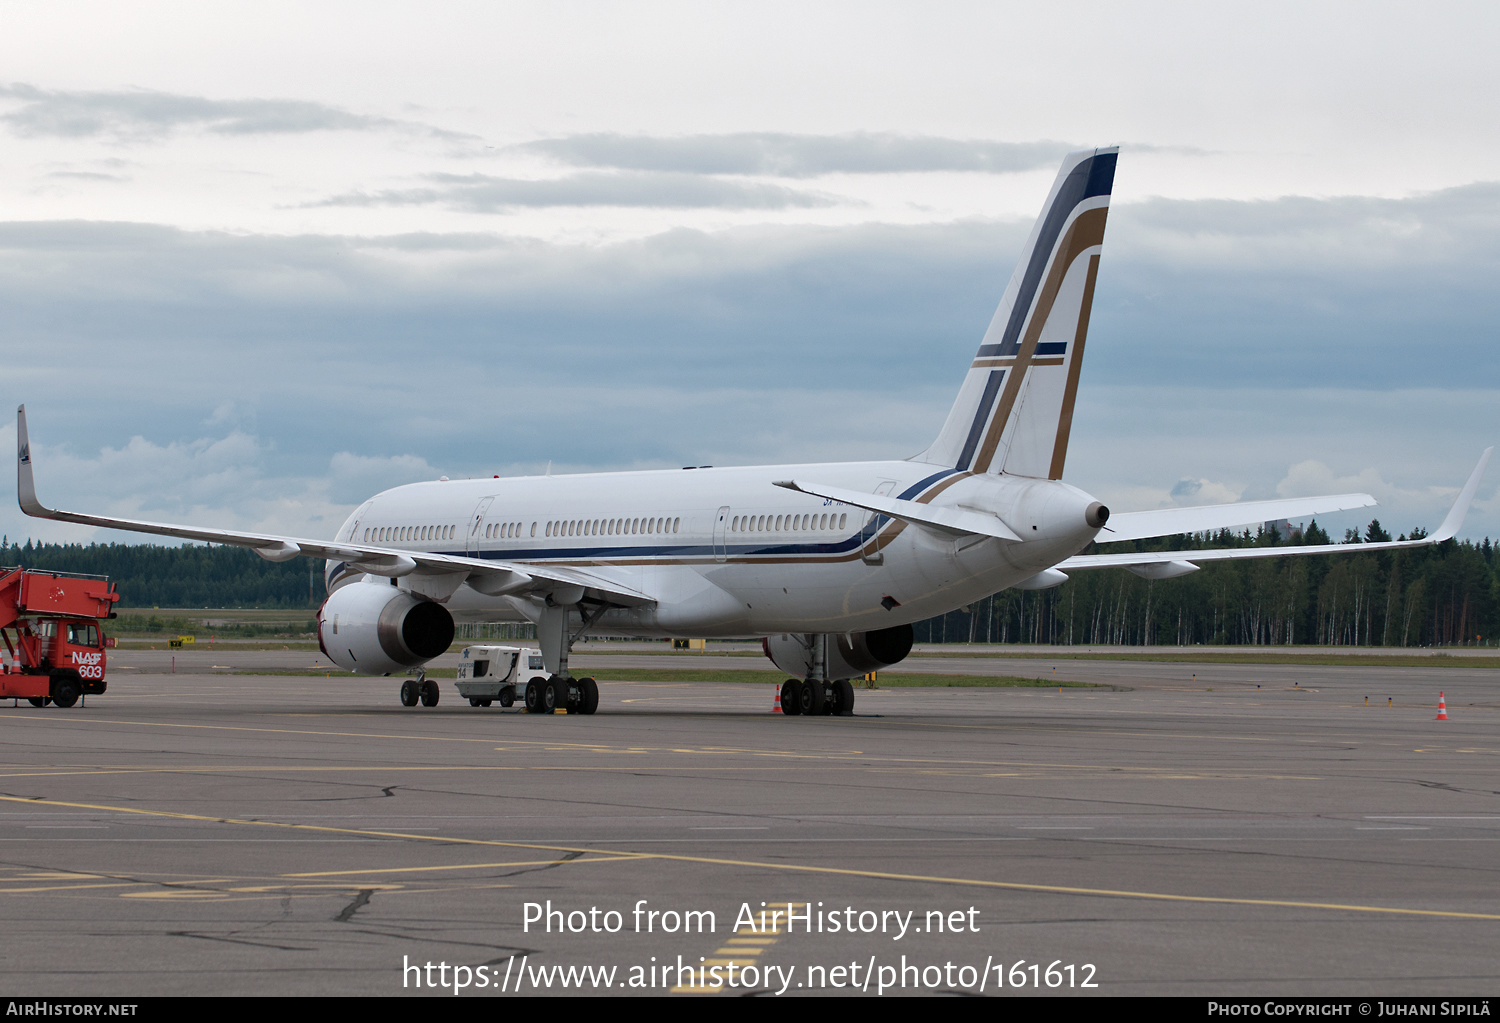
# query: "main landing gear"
554 693
814 697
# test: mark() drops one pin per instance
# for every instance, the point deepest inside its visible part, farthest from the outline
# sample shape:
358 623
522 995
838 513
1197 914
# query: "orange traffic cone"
1442 709
776 707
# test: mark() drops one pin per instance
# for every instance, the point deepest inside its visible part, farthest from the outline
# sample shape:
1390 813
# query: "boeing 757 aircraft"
829 563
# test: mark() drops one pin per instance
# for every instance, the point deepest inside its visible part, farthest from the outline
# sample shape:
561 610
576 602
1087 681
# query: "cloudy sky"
258 261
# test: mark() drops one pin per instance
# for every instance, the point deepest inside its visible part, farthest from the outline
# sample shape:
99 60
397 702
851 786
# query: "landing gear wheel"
429 693
534 695
39 701
475 701
791 697
65 692
410 693
813 701
507 696
555 695
843 698
589 701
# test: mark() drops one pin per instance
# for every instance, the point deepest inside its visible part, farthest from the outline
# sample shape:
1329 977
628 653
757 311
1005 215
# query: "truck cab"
58 652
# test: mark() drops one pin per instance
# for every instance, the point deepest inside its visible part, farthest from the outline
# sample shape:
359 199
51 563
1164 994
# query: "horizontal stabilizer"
953 521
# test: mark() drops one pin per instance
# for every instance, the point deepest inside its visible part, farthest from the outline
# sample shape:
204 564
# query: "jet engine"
849 655
375 629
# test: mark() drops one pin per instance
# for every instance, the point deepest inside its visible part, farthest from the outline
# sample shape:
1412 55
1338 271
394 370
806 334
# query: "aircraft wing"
1166 564
1214 517
436 575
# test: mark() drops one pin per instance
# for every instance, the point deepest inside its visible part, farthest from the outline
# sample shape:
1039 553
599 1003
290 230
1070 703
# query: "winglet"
25 483
1455 520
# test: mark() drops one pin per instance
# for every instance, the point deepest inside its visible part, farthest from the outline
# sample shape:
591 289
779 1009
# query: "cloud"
1192 492
1219 353
1342 291
777 154
86 176
146 115
482 193
356 477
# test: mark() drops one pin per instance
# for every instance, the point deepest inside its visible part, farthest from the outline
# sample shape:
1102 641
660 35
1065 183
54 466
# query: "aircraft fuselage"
726 552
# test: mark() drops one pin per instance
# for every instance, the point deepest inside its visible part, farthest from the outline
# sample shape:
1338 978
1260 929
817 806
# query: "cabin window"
533 529
674 524
843 519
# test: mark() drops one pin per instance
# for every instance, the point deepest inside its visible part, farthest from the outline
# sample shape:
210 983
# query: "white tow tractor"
489 673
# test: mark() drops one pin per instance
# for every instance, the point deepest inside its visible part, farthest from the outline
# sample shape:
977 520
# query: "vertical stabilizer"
1015 408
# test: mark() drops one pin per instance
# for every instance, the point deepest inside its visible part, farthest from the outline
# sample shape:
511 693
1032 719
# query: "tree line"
187 576
1444 595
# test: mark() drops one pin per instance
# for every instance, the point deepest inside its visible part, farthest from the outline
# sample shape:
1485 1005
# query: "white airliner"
830 563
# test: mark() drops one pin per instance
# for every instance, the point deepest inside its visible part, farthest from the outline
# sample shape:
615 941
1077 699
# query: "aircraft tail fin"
1015 409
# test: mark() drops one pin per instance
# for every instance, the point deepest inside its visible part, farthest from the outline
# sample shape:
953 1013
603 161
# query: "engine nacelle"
375 629
849 656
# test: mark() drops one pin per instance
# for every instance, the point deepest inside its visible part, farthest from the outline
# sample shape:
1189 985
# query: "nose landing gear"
420 689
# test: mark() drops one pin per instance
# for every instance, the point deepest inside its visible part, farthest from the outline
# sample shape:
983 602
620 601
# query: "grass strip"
884 679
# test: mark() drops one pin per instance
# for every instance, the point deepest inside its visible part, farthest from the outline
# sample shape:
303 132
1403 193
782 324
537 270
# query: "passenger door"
476 525
721 524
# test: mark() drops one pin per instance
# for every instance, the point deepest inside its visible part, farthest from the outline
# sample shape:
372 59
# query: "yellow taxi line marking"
1222 900
456 866
69 887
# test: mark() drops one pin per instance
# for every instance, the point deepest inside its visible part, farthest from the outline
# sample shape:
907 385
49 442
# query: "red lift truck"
58 652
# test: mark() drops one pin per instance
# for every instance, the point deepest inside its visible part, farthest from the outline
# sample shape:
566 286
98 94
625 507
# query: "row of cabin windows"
612 527
609 527
778 523
396 534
